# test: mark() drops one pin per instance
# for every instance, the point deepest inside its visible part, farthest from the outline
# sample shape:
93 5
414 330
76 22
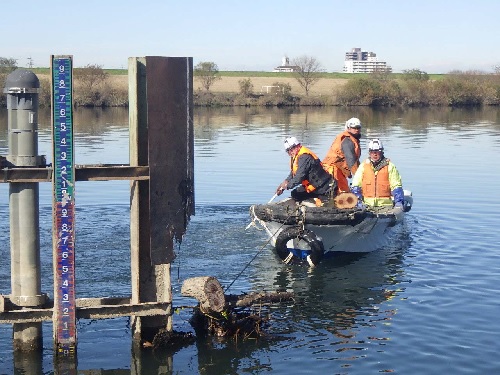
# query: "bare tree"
90 76
246 87
206 72
308 71
282 89
7 65
415 74
382 74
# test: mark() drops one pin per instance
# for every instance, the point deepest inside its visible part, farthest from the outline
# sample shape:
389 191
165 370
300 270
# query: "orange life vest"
375 182
336 158
294 165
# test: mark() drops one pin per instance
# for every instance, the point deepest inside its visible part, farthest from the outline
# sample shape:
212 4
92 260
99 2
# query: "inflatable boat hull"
308 230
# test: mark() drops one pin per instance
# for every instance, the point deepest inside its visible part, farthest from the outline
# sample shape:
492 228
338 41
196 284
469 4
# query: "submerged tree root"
171 340
220 315
243 317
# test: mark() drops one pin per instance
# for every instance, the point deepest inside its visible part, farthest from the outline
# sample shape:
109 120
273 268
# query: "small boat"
306 231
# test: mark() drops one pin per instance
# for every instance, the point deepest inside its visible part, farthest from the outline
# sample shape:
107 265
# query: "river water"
425 304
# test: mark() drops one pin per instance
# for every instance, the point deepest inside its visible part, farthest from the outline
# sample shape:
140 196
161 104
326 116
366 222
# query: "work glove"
356 190
399 196
282 187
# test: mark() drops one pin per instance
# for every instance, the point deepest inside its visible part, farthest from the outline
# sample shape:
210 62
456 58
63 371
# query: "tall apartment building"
358 61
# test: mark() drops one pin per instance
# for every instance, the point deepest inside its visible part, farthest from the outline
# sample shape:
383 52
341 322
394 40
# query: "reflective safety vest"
335 156
314 174
375 183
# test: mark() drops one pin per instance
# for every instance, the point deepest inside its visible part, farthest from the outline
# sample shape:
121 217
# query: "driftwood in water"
258 298
207 290
235 317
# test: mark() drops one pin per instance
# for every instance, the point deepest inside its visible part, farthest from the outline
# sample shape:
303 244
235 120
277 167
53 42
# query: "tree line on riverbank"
97 87
412 88
459 89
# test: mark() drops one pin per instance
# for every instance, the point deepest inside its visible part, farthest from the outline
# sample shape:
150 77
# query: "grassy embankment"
459 89
330 89
396 89
229 82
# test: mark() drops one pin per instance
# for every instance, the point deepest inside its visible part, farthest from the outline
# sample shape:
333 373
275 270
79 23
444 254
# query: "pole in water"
274 196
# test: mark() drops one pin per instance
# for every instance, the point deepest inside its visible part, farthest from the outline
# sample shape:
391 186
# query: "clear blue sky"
436 36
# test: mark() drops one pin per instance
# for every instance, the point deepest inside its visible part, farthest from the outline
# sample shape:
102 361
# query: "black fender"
316 245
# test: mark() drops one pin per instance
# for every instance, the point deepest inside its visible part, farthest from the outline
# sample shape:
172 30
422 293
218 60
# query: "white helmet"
291 142
353 123
375 145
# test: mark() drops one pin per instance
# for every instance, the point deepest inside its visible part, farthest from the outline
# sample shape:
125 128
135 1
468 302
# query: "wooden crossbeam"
83 173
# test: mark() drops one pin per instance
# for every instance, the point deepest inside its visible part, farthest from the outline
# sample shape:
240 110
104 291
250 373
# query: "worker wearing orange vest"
342 159
306 174
377 182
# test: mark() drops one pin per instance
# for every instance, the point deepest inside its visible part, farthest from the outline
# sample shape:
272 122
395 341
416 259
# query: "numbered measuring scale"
63 205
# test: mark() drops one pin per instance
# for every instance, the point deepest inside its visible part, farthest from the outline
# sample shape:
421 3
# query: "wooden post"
161 137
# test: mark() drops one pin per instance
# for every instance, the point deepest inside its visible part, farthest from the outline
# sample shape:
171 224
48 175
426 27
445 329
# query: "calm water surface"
426 304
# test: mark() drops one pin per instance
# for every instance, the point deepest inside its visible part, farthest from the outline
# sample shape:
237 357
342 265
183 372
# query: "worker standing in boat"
307 173
342 159
377 179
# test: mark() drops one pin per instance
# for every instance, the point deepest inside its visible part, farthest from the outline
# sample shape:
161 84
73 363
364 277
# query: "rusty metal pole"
22 87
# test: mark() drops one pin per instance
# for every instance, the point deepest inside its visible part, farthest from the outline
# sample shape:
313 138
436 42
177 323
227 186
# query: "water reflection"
220 117
346 284
91 124
339 305
347 309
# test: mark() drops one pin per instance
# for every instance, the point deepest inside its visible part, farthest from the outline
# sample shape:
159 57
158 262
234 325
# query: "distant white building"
358 61
285 66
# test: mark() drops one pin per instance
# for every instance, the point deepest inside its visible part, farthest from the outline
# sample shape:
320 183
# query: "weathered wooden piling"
161 124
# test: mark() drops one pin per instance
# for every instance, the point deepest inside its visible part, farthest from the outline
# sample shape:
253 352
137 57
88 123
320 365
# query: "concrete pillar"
22 87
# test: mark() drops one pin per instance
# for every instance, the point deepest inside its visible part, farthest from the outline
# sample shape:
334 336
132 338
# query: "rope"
258 252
